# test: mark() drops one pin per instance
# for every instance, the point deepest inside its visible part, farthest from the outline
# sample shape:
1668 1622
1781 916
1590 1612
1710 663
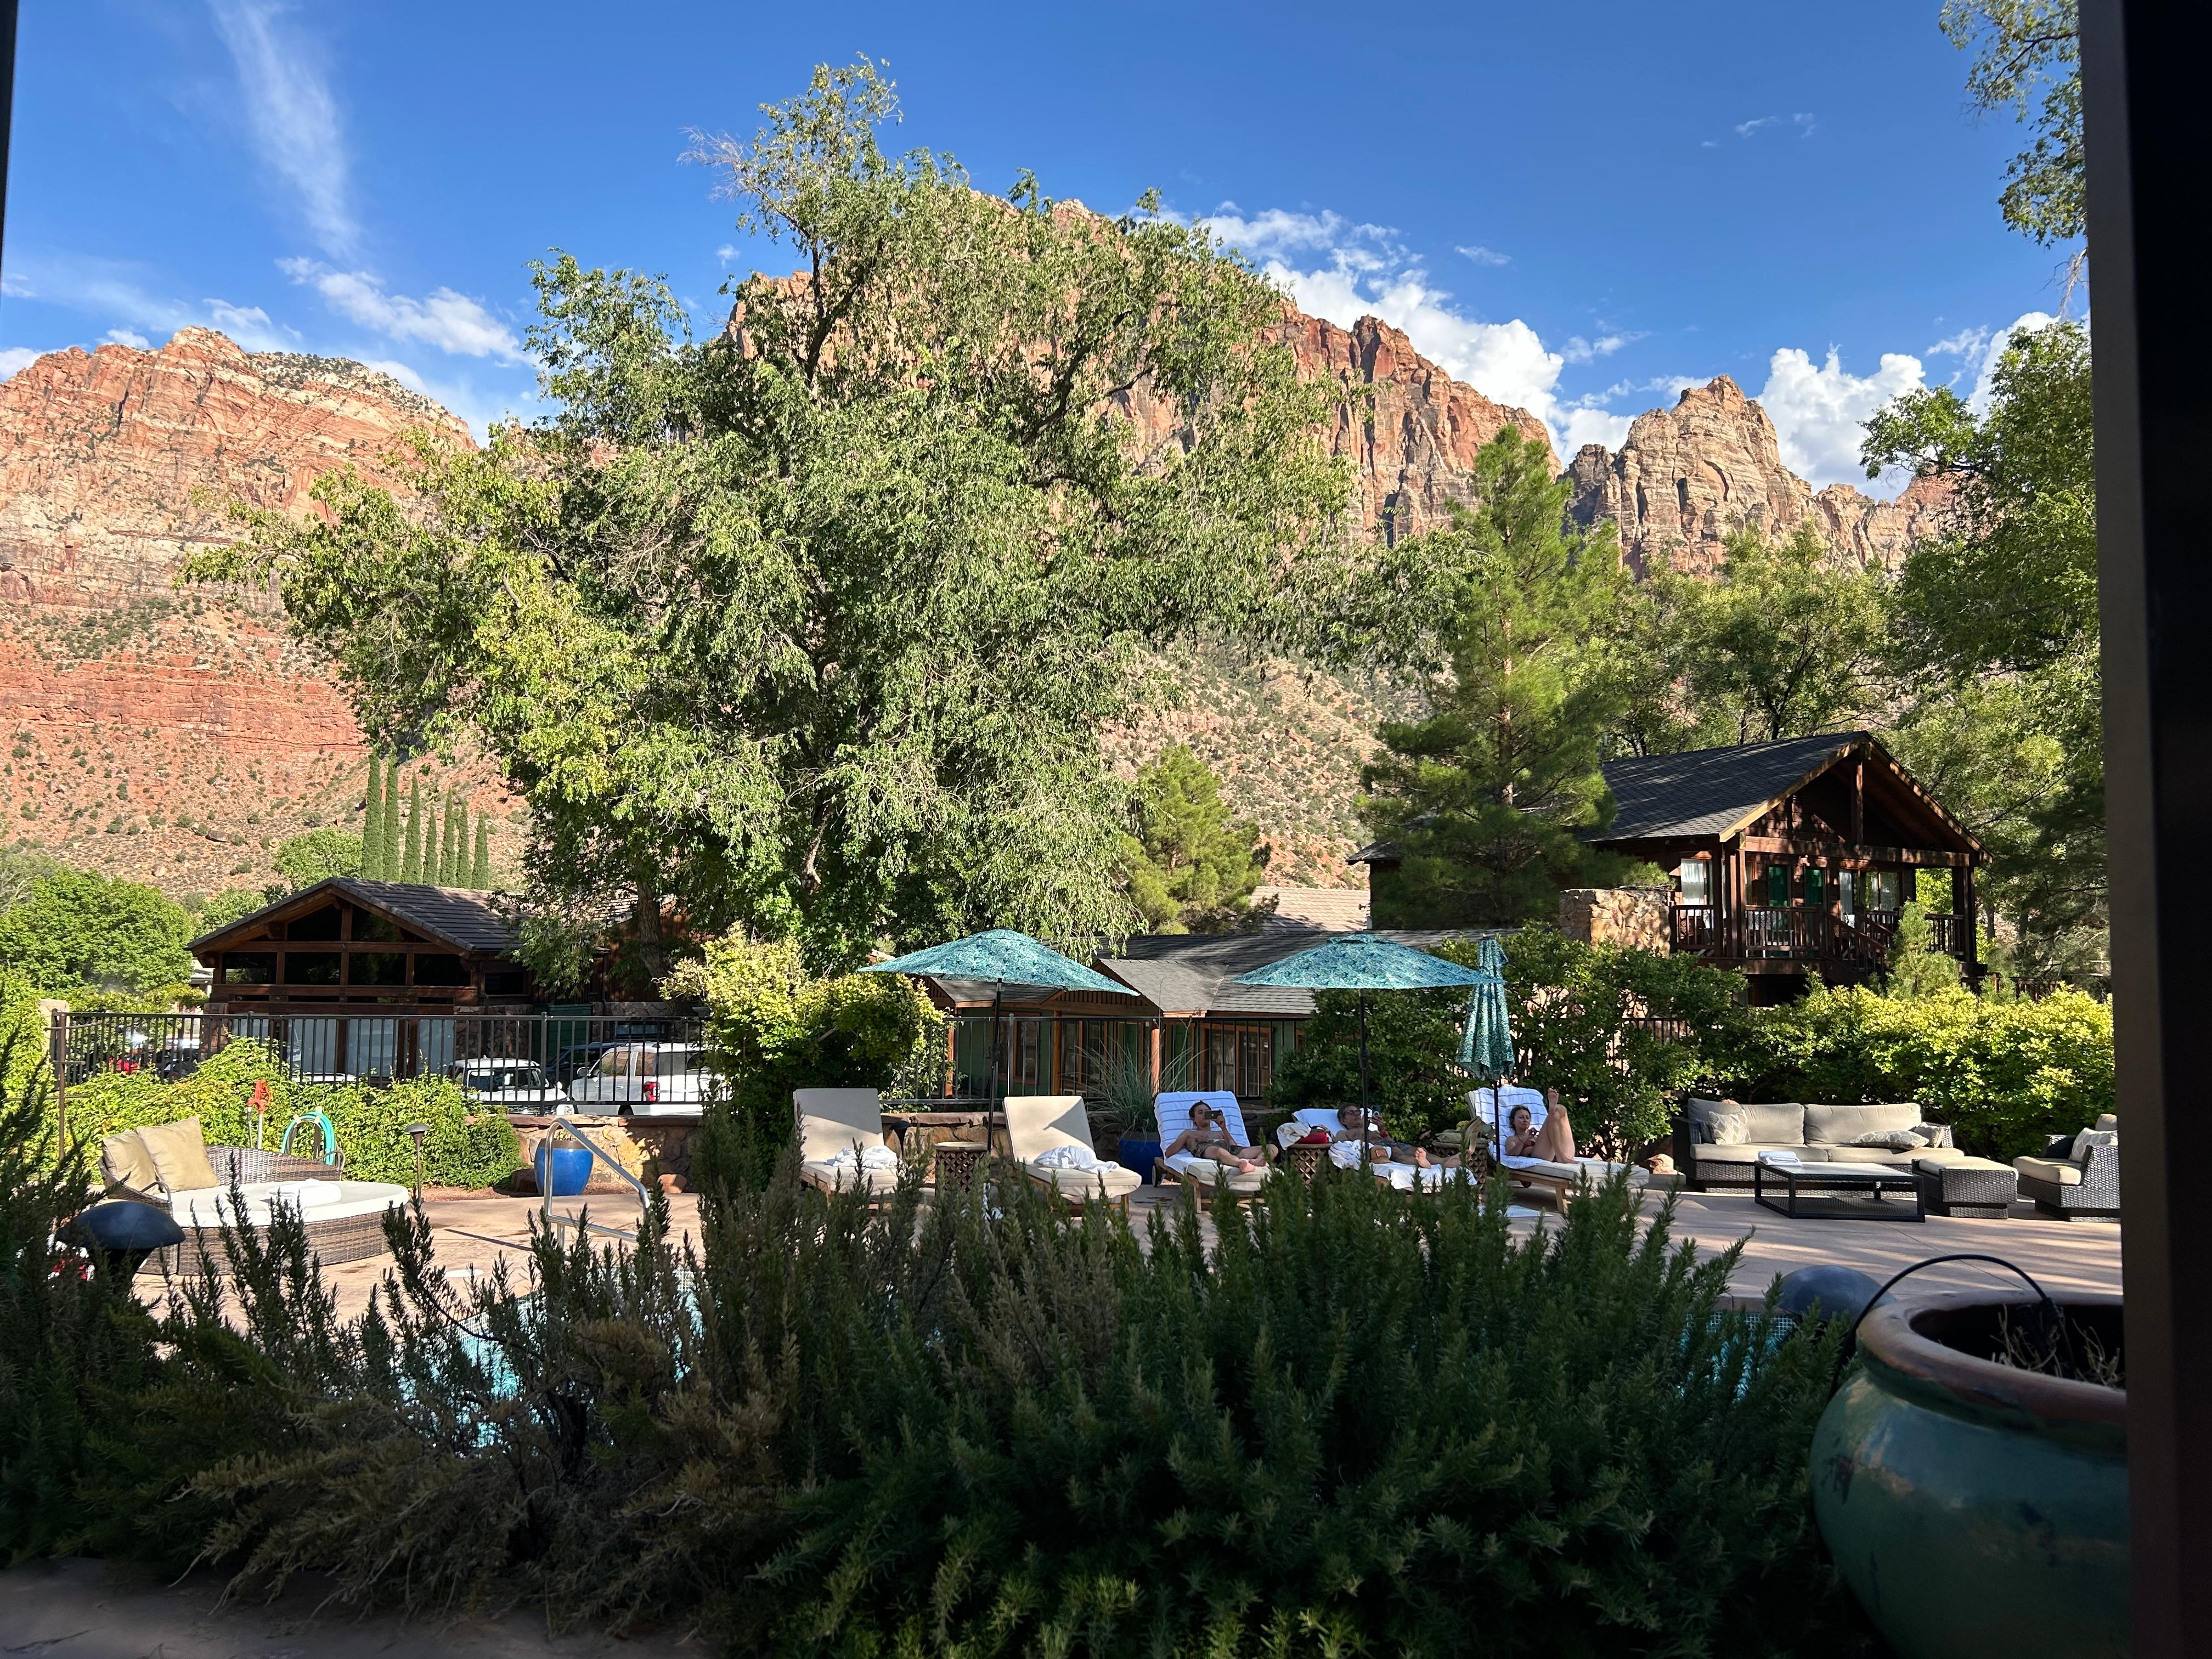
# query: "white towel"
1779 1156
1073 1158
1345 1154
300 1194
872 1158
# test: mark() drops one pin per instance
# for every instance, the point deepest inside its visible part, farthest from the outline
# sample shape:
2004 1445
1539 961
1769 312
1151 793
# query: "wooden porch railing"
1794 933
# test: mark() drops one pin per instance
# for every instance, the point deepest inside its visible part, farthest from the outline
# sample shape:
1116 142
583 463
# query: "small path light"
415 1132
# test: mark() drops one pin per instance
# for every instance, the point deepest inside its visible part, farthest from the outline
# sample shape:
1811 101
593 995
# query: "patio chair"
1562 1180
2077 1180
1206 1175
841 1141
1050 1136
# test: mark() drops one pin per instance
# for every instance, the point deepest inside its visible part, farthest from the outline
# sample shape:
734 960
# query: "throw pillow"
2089 1137
1729 1128
179 1155
1935 1134
125 1161
1895 1140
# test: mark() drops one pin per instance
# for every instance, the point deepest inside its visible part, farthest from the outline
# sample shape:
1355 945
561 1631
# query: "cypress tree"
457 841
480 874
411 859
430 849
388 837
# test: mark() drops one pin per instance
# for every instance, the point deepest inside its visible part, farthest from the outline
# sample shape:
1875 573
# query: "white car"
643 1076
520 1086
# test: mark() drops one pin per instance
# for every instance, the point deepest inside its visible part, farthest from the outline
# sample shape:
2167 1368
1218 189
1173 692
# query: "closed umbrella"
1486 1049
1364 963
999 957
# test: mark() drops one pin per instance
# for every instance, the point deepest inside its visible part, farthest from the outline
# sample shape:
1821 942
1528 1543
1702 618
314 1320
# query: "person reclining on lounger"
1381 1147
1207 1138
1554 1143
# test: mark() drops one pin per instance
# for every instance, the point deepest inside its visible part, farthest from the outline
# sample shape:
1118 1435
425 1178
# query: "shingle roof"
1708 792
456 915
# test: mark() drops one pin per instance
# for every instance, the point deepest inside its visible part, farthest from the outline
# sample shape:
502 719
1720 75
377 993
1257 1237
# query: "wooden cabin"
349 946
1796 857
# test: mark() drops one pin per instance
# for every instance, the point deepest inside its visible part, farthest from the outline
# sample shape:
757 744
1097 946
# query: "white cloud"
1579 350
1966 342
1820 413
15 358
1484 256
114 292
1595 426
1978 399
479 407
1745 129
727 252
125 337
450 321
1803 123
293 114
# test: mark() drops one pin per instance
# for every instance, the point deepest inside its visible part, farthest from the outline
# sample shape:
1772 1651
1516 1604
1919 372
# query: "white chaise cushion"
327 1200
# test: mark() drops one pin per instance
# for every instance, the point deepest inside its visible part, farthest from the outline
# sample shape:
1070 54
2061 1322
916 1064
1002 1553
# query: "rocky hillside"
174 737
1687 475
168 735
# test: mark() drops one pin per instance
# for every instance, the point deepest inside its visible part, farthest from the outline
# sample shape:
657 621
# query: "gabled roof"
454 916
1712 794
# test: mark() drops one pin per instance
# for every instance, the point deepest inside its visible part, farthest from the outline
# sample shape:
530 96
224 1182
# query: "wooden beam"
1859 801
1814 846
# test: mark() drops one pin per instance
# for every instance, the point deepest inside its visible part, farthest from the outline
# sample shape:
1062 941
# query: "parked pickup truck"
520 1086
643 1077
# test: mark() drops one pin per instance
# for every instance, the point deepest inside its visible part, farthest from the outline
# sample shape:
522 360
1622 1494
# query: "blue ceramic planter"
1976 1509
563 1171
1138 1154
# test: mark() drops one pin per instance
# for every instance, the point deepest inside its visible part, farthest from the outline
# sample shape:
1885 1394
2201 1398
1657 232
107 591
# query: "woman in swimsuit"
1207 1138
1554 1143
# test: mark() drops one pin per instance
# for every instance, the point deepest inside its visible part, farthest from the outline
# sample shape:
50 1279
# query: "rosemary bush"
1354 1424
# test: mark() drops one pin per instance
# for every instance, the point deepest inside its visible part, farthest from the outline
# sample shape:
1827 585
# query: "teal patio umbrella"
1364 963
1486 1048
999 957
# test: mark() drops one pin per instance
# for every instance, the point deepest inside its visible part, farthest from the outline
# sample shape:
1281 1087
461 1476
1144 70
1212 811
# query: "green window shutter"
1778 885
1815 887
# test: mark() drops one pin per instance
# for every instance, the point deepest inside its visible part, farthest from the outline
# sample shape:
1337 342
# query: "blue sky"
1578 209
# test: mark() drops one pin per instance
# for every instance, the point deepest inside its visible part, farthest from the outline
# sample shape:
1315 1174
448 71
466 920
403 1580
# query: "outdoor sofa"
1049 1137
841 1141
1717 1142
1205 1175
171 1166
2078 1177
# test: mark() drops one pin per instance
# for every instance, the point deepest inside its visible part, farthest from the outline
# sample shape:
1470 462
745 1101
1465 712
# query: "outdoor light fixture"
415 1132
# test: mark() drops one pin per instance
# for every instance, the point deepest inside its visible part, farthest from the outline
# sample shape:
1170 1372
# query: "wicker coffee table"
1837 1192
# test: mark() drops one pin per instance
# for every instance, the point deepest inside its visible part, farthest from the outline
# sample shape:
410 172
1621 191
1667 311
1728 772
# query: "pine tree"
411 859
480 872
1485 799
430 849
455 845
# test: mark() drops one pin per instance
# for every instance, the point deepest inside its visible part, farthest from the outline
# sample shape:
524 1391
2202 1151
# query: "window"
1816 885
1847 891
312 967
1778 885
508 982
1881 890
377 968
1696 875
367 924
249 967
316 924
437 968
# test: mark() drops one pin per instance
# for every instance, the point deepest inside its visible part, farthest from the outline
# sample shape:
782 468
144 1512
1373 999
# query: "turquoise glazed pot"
1975 1508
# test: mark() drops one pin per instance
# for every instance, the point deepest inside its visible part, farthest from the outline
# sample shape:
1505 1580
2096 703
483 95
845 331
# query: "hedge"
466 1147
2005 1075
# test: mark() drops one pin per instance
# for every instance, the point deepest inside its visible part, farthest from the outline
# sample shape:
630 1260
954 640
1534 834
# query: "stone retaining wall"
633 1142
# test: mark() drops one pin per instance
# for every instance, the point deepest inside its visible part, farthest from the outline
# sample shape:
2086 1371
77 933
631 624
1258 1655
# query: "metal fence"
551 1050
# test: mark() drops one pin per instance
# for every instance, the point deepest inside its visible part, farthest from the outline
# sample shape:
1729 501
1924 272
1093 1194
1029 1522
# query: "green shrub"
467 1146
2006 1075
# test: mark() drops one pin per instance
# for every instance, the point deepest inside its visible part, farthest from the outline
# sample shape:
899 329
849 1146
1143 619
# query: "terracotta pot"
1973 1508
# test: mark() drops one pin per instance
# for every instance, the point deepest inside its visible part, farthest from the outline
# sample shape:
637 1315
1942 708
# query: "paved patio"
474 1229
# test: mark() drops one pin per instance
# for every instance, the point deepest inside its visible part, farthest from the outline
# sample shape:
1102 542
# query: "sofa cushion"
1781 1124
2057 1172
1749 1153
125 1161
1842 1126
178 1152
1728 1129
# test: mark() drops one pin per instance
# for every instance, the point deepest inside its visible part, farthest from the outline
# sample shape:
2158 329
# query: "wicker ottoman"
1966 1187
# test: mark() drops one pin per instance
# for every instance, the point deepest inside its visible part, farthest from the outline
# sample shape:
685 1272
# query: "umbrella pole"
993 1095
1363 1078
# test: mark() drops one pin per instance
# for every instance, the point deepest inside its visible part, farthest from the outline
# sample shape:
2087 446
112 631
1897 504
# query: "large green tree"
1996 622
812 623
2027 60
1485 798
303 860
76 931
1191 866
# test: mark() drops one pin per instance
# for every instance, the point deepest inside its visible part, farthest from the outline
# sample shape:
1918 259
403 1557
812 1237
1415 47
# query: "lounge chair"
1206 1175
1562 1180
2076 1179
841 1141
1042 1131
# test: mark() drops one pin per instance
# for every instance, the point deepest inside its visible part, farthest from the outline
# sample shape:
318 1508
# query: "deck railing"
1792 933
